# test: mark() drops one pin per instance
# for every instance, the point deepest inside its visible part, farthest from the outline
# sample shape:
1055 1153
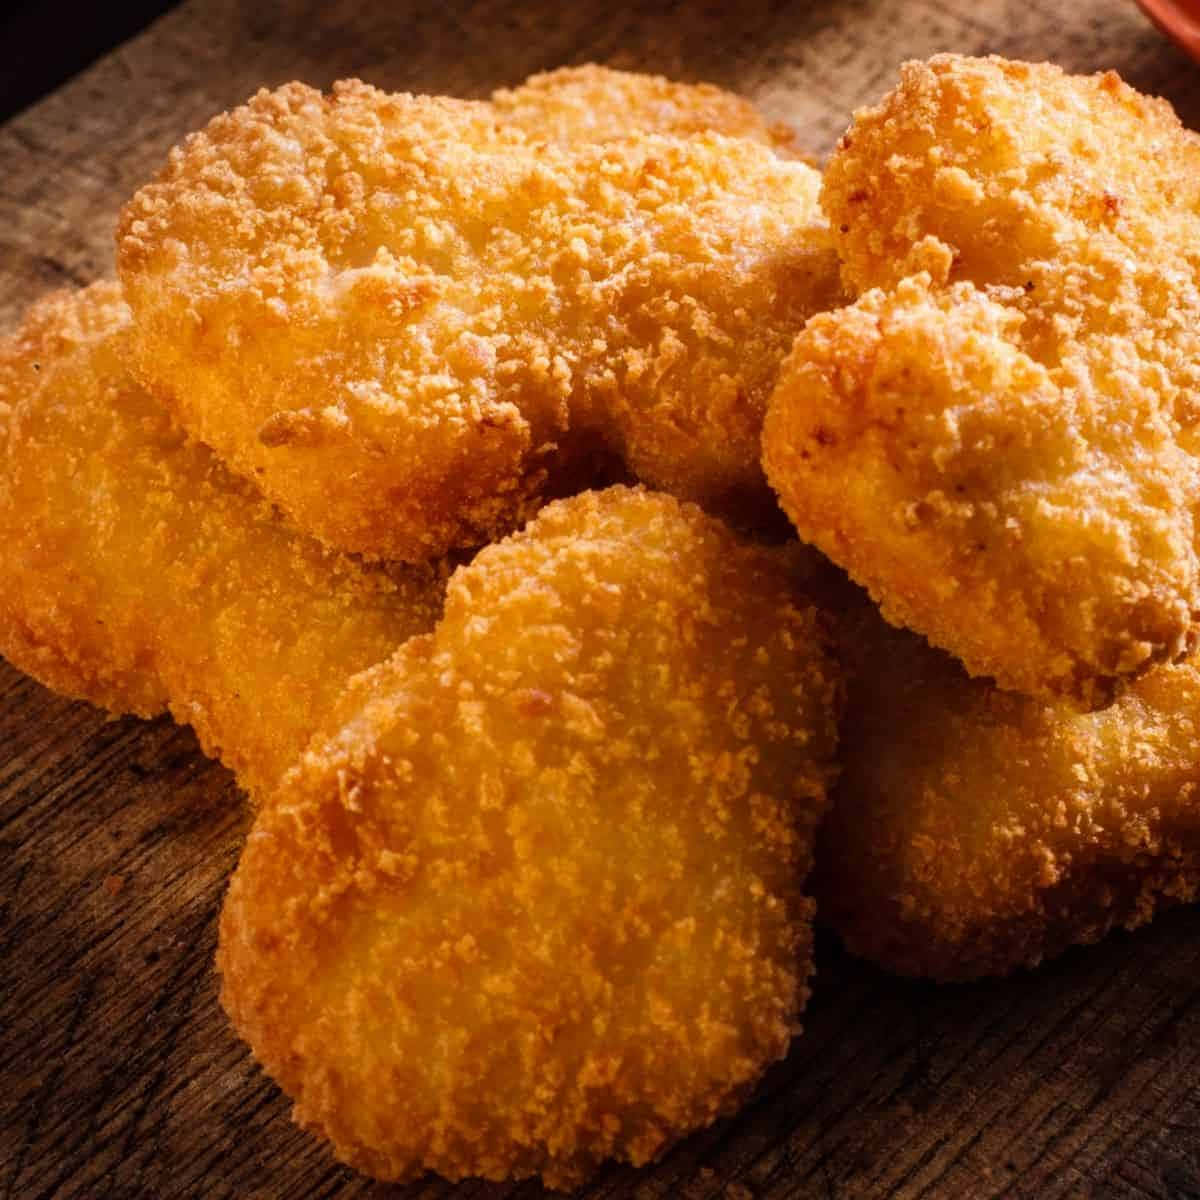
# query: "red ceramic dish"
1179 19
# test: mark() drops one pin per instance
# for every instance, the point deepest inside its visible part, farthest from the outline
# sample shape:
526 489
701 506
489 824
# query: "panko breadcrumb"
976 831
540 903
396 313
140 575
596 104
1002 447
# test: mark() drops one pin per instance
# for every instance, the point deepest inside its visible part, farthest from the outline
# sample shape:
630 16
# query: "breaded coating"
540 903
396 313
140 575
1002 448
976 831
1046 541
598 104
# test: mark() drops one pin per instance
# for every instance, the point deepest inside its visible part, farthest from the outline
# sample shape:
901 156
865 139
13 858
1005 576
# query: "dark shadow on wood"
45 43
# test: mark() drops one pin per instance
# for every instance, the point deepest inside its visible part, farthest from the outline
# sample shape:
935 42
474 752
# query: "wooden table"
119 1075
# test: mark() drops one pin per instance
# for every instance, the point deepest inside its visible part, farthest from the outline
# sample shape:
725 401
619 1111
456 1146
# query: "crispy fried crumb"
975 831
540 902
139 574
596 104
396 313
1002 447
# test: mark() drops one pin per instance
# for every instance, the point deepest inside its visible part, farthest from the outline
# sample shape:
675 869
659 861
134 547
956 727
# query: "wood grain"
118 1073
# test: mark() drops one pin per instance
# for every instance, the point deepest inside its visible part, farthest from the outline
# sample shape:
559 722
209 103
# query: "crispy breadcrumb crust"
975 831
1046 541
140 575
596 104
540 903
1003 448
391 311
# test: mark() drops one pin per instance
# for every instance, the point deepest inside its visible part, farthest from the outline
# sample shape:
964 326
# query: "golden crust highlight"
540 902
975 832
1002 447
140 575
395 312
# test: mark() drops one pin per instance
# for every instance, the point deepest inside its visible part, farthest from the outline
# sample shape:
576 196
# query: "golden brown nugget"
1002 449
596 104
976 831
140 575
396 312
540 903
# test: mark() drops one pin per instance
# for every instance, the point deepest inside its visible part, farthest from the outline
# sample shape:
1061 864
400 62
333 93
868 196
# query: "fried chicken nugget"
540 902
976 831
1002 448
598 104
140 575
395 313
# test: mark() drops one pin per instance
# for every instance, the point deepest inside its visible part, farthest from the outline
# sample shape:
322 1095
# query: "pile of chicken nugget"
431 459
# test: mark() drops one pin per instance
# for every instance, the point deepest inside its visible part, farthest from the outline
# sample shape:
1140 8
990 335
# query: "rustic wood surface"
119 1075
